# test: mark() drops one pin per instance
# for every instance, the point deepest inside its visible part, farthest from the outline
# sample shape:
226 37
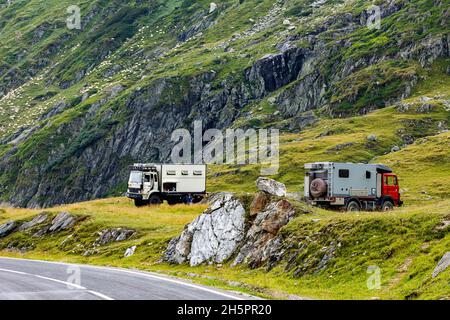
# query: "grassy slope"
405 244
394 242
346 140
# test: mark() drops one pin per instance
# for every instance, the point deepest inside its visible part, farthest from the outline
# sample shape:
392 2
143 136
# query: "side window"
391 181
368 174
198 173
185 172
171 172
343 173
147 178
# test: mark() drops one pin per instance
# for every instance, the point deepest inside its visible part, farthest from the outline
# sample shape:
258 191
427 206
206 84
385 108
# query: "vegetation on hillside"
405 245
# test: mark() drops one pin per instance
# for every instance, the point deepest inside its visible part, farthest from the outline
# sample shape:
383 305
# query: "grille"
134 190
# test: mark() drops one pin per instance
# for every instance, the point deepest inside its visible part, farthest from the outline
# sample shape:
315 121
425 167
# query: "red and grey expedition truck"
352 186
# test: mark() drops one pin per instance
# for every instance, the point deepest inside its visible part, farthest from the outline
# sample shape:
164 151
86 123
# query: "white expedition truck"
351 186
175 183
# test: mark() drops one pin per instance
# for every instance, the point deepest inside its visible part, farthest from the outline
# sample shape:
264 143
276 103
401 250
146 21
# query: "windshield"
135 177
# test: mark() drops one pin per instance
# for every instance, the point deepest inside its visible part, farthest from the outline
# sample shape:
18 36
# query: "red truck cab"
390 188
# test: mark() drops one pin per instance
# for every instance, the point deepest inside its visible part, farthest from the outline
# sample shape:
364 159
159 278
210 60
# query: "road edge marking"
140 273
76 286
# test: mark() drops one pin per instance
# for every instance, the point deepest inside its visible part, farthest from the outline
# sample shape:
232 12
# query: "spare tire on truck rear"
318 188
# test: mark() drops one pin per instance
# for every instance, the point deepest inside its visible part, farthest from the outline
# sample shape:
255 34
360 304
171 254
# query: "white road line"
100 295
76 286
145 274
176 282
13 271
60 281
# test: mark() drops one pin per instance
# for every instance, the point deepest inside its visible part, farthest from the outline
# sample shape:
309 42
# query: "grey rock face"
7 228
395 149
260 244
130 251
213 236
62 221
271 186
443 264
41 218
111 235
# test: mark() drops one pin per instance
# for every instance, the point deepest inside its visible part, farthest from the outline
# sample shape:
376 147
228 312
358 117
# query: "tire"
353 206
155 200
173 202
198 199
318 188
387 206
140 203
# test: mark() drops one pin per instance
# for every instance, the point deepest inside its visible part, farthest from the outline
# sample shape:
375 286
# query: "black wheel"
173 202
197 199
155 200
140 202
353 206
387 206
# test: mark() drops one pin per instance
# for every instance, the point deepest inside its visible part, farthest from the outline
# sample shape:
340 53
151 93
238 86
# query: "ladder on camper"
330 182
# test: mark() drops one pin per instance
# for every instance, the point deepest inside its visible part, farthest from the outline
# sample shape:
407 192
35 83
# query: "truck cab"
391 189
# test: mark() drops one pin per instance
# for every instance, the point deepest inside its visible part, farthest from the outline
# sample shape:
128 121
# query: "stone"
259 202
444 225
259 244
276 216
213 236
395 149
110 235
212 7
372 138
62 221
425 108
7 228
130 251
443 264
39 219
272 100
271 187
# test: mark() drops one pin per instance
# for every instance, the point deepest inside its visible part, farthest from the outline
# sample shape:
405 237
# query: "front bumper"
134 196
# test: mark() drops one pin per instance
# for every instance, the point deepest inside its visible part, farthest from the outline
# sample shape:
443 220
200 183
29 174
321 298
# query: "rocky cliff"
78 106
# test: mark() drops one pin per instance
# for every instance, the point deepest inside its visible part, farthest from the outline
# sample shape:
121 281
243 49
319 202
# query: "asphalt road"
41 280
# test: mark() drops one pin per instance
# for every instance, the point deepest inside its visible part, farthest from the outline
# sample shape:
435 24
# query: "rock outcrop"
39 219
110 235
260 243
443 264
7 228
62 221
225 231
213 237
271 187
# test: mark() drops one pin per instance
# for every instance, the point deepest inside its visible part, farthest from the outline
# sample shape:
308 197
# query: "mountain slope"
78 106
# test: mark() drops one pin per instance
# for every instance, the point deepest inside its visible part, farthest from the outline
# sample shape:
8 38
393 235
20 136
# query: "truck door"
390 187
148 182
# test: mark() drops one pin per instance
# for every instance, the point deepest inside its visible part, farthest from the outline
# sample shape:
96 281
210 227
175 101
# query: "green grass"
404 244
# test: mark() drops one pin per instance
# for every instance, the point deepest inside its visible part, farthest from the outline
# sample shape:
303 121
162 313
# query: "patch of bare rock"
228 231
